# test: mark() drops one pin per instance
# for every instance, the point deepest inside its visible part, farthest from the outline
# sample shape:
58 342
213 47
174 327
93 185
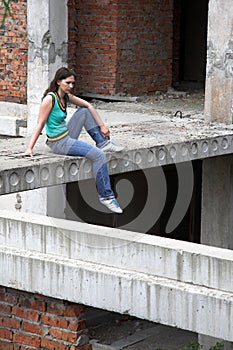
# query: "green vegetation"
6 9
192 346
197 346
218 346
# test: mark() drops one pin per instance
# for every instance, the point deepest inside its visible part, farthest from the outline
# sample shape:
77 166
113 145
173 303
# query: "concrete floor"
110 331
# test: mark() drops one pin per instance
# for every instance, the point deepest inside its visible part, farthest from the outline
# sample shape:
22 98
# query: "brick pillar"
31 321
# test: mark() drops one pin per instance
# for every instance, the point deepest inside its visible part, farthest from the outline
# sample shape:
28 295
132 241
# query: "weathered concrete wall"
219 70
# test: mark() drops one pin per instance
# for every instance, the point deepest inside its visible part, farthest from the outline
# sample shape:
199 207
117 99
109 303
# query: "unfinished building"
168 258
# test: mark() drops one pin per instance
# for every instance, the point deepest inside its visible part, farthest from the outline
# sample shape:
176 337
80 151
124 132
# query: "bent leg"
83 118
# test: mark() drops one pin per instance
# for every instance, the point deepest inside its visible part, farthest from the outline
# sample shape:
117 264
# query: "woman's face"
66 85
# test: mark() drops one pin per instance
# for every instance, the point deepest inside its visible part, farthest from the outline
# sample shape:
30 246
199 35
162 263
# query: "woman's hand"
27 153
83 103
105 131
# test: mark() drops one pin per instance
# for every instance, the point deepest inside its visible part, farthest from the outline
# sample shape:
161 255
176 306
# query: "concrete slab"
149 140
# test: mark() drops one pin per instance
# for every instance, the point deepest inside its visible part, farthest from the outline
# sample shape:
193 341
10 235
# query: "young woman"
62 137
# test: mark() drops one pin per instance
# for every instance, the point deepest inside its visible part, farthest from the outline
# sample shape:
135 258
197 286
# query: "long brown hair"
61 73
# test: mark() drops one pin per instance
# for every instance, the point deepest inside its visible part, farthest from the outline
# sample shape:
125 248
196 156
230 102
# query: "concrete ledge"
46 169
12 126
13 119
12 109
201 265
186 306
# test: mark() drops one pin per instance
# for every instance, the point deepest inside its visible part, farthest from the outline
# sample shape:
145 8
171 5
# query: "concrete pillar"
48 37
216 226
217 205
217 202
216 221
219 70
47 34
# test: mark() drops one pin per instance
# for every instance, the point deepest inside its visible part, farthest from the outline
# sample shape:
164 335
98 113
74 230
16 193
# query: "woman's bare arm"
44 111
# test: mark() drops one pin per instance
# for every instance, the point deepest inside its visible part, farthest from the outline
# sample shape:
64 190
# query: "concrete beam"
182 261
186 306
175 283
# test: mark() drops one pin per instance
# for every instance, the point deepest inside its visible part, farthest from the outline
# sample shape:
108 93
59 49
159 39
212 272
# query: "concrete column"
48 37
47 33
217 202
217 208
217 205
219 70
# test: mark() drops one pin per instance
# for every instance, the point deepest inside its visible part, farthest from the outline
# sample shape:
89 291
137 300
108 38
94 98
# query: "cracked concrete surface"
190 101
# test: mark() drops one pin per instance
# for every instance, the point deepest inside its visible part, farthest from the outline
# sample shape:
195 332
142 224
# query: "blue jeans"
70 145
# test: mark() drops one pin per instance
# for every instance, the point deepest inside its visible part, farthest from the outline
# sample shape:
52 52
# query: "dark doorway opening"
142 213
190 41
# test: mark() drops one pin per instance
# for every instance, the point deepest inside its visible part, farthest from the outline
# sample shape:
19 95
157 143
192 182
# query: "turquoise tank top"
56 123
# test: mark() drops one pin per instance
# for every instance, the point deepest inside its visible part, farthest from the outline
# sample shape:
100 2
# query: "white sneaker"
111 147
112 205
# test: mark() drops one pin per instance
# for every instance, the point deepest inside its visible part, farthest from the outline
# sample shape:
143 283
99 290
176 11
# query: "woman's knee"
100 155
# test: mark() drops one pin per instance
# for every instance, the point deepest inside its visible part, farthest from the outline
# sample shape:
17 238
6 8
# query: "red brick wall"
92 46
115 46
32 321
13 53
118 46
145 30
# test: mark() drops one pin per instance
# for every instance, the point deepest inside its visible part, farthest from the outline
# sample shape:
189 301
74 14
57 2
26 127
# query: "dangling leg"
106 195
79 148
